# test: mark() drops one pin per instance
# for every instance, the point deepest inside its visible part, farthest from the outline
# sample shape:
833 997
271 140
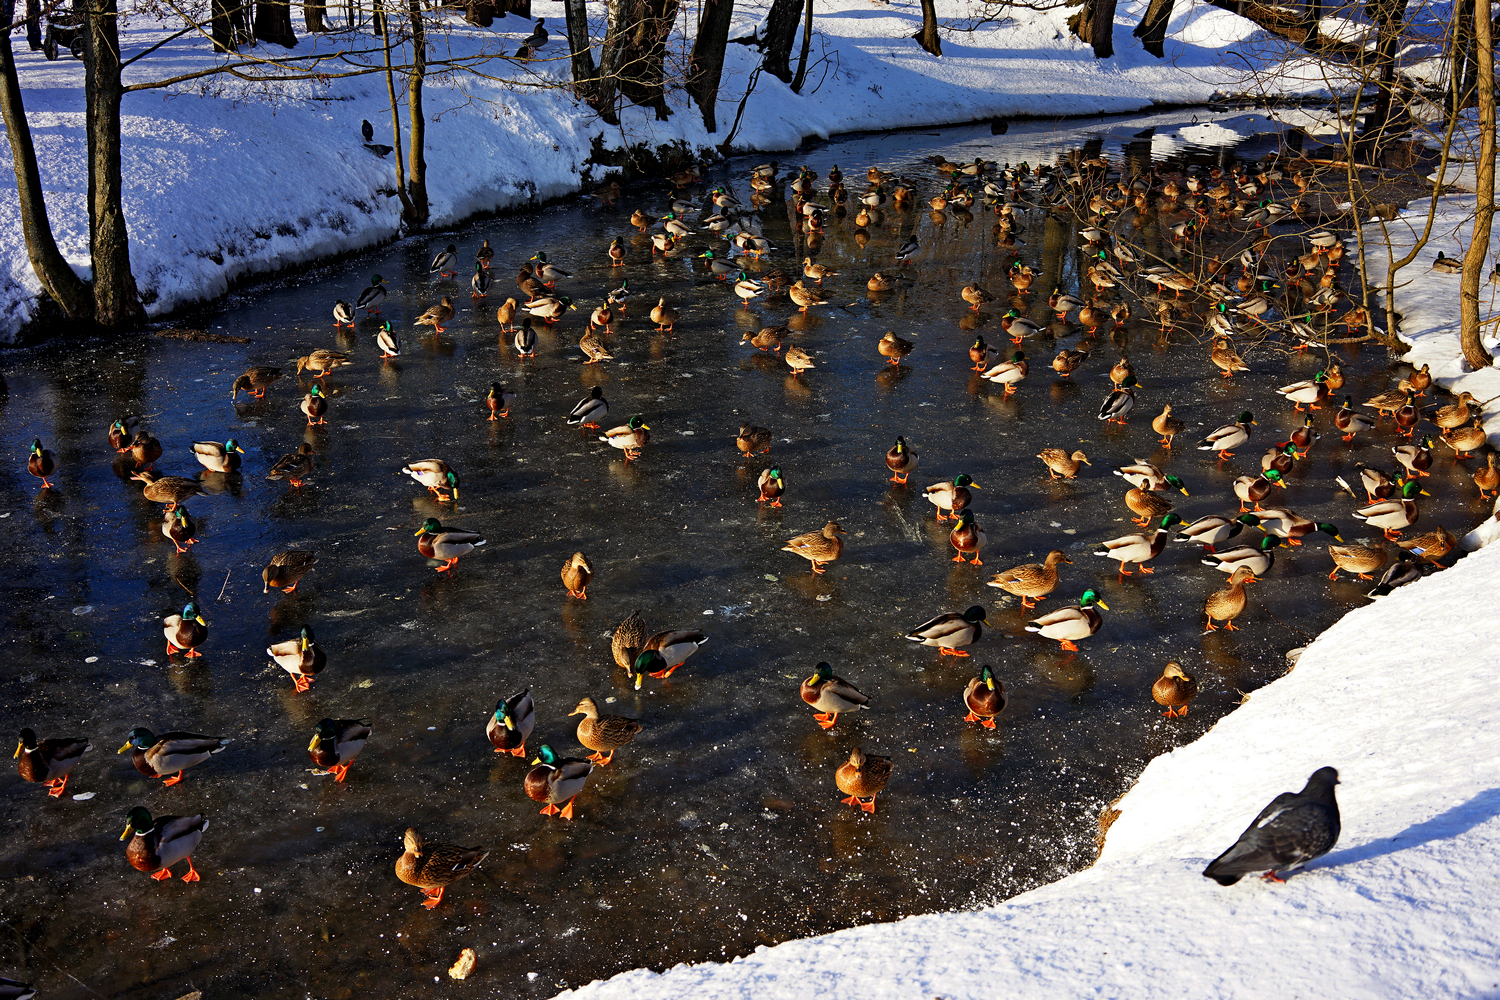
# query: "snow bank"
1404 906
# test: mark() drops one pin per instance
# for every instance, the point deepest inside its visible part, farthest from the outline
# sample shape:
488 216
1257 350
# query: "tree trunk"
1382 118
481 12
221 25
1484 215
781 31
641 73
416 184
1095 24
580 45
928 36
33 24
1152 31
57 277
273 23
807 44
521 8
611 56
383 23
706 67
312 16
116 300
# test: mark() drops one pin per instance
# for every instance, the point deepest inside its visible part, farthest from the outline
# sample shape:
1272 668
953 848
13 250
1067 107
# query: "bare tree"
927 36
780 32
706 66
116 299
1484 215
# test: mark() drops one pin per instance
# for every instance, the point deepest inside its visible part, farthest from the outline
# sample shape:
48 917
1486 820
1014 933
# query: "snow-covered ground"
1405 905
225 179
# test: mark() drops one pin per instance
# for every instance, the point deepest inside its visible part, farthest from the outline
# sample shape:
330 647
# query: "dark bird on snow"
1294 829
367 130
380 151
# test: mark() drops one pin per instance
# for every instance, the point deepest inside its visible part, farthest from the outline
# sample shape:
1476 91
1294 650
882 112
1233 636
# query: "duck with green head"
370 298
48 762
448 544
216 457
301 657
984 697
160 843
168 755
772 486
901 460
185 632
1254 489
553 780
178 527
951 631
335 744
1259 557
831 695
511 723
1071 623
952 497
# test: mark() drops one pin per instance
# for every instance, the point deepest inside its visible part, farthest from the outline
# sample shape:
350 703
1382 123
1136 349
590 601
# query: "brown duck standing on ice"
1174 689
432 867
863 777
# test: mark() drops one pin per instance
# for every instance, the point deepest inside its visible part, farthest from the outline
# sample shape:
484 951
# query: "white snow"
1405 905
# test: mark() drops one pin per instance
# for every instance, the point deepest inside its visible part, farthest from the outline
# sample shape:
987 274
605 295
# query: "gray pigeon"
1288 833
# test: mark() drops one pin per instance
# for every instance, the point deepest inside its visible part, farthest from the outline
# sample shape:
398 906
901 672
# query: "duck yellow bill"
200 621
316 740
420 531
124 748
1102 605
455 493
19 747
129 829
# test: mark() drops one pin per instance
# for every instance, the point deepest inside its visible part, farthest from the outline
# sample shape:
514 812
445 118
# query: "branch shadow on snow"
1444 826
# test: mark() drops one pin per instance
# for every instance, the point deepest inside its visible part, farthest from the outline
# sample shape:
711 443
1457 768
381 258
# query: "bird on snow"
1294 829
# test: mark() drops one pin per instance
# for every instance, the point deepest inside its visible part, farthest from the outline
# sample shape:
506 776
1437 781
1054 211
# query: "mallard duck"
577 573
1416 458
371 297
967 538
831 695
1167 426
799 360
1214 529
185 632
498 401
600 319
630 437
1031 582
1258 558
526 281
1407 416
901 460
170 490
1487 478
1431 545
767 338
862 777
603 734
1144 475
1061 304
772 486
301 657
485 254
951 631
145 450
817 272
893 347
294 467
1392 515
1009 373
1448 265
1092 317
616 252
255 381
1254 489
752 439
975 296
628 640
818 547
555 779
1465 440
524 340
1292 526
592 346
664 316
335 744
178 527
48 762
1226 359
512 722
286 570
479 284
668 650
589 410
321 362
549 273
1174 689
1307 393
1455 414
1229 436
1279 457
122 433
1018 327
216 457
641 221
437 316
1139 548
879 282
1120 401
436 475
1060 464
315 406
1228 604
1071 624
660 243
447 544
1148 506
1362 560
805 297
549 309
984 697
1420 380
160 843
432 867
951 496
1350 422
718 266
1067 362
443 262
14 989
506 314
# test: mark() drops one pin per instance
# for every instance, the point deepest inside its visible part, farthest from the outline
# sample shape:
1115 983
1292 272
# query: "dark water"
720 828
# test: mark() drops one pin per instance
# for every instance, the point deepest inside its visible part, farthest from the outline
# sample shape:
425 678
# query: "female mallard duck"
371 297
641 221
880 282
805 297
1400 511
901 460
170 490
1364 561
526 281
1465 440
1009 373
1254 489
505 315
301 657
817 272
862 777
603 734
216 457
984 697
315 406
952 497
1070 623
437 316
1222 439
1140 548
1387 403
767 338
168 755
752 439
1174 689
1061 465
951 631
185 632
1091 316
1067 361
1350 422
592 346
1213 530
512 722
772 486
556 779
1431 545
294 466
1121 372
1167 426
818 547
160 843
1228 604
321 362
145 450
122 433
1415 458
446 544
1420 380
498 401
48 762
967 538
335 744
1226 359
799 360
255 381
1292 526
436 475
1021 278
1120 401
1258 558
178 527
432 867
1031 582
630 437
975 296
664 316
629 640
894 348
831 695
1455 414
577 574
286 570
1487 478
1148 505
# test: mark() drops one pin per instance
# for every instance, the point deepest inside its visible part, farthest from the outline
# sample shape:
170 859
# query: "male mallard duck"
666 651
901 460
1148 505
1254 489
893 347
1167 426
1070 623
479 284
1394 514
1031 582
805 297
752 439
818 547
1309 393
448 544
216 457
556 779
432 867
863 777
443 262
630 437
1228 604
321 362
1214 529
335 744
617 252
437 316
1448 265
577 573
1140 548
1258 558
185 632
718 266
831 695
600 319
1226 358
178 527
388 341
301 657
1222 439
1361 560
1061 304
171 753
315 405
1464 440
512 722
436 475
1407 416
664 316
255 381
170 490
603 734
1174 689
1349 422
967 538
498 401
772 486
592 346
1416 458
526 281
1067 362
767 338
1018 327
122 433
549 309
286 570
660 242
975 296
294 467
1291 526
799 360
1009 373
1431 545
160 843
984 697
879 282
1488 478
951 496
145 450
49 761
370 298
1120 401
951 631
524 340
1061 465
1144 475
